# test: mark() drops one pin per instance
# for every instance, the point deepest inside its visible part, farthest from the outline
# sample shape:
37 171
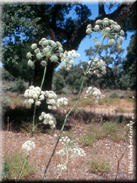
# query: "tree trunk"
47 85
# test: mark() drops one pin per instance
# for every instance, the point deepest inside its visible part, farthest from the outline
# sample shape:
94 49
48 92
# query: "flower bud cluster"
48 119
67 59
54 102
62 101
95 92
34 94
97 66
108 28
70 147
29 145
49 50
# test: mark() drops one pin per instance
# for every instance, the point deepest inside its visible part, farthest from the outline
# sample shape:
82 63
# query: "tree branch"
76 37
101 9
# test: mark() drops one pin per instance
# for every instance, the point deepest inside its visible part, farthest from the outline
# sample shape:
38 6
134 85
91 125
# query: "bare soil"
77 169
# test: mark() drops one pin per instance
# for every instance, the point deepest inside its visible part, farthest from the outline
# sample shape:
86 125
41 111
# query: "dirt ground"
77 168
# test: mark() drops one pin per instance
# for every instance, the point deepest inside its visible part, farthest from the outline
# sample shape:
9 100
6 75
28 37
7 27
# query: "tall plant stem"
63 127
33 123
69 114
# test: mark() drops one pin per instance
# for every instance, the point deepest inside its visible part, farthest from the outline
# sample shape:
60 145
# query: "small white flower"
29 55
96 28
54 58
39 55
98 44
30 63
36 50
43 63
89 26
107 29
88 31
89 62
38 103
98 21
31 101
78 55
111 42
121 32
34 46
29 145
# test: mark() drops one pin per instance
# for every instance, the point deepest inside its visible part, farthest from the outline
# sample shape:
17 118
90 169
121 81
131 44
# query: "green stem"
43 76
95 55
33 127
69 114
63 166
23 166
63 127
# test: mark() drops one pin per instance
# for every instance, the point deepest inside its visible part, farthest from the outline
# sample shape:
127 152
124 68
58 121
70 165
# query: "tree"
128 75
112 58
14 60
48 20
58 82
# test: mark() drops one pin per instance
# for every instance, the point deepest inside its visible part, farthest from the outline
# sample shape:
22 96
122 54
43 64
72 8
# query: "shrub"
19 87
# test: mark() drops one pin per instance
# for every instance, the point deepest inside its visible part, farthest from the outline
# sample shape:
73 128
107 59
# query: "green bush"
19 86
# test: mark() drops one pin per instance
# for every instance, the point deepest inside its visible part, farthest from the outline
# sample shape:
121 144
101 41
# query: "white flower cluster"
34 94
48 119
50 50
95 92
61 167
67 59
51 99
97 66
54 102
29 145
70 147
62 101
108 28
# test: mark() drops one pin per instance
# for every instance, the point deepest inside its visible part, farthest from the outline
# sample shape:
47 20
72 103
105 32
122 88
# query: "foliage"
96 165
19 87
112 58
15 162
25 23
58 82
128 75
93 132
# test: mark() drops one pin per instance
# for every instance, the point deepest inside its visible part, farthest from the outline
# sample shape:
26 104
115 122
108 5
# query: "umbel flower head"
95 92
97 66
28 145
108 28
67 59
49 50
48 119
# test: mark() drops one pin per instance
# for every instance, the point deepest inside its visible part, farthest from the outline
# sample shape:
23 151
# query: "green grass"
15 162
96 132
108 101
120 110
98 165
86 101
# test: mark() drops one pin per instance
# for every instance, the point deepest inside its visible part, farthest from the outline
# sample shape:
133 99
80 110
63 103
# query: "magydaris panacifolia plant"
50 51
